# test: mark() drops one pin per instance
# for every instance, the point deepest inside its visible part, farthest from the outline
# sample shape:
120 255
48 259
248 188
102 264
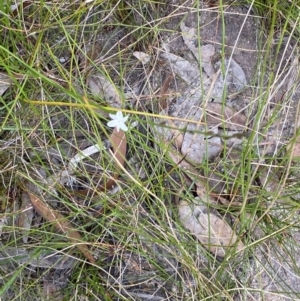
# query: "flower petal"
125 118
113 116
112 123
123 127
119 115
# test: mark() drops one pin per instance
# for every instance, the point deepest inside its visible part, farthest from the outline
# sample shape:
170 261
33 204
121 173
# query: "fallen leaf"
238 75
43 259
26 216
51 291
177 136
196 146
296 150
204 54
183 68
197 83
224 117
61 224
143 57
210 229
163 93
234 73
5 82
119 145
102 87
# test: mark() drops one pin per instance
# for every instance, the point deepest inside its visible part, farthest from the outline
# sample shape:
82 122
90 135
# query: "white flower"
118 121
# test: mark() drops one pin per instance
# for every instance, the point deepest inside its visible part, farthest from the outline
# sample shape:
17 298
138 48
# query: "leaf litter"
205 100
210 229
6 81
118 142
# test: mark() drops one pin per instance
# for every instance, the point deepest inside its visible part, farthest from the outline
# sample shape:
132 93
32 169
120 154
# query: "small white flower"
118 121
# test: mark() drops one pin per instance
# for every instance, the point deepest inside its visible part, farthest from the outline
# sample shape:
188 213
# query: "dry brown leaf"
203 183
61 224
26 216
162 103
51 291
296 150
224 116
119 144
210 229
293 147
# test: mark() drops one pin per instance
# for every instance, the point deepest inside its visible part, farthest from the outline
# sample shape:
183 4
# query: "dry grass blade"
61 224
